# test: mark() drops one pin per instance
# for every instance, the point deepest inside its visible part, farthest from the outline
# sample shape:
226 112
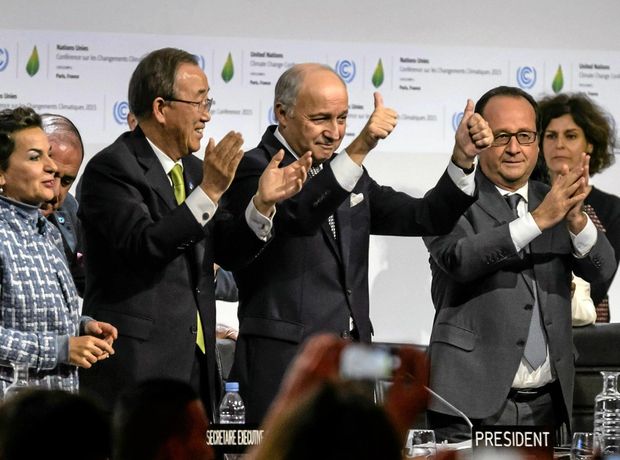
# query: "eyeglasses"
201 106
523 138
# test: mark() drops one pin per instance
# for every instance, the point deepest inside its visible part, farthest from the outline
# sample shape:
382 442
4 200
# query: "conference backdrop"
84 76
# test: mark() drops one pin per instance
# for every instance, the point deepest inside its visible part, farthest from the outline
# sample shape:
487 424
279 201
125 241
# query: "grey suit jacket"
483 306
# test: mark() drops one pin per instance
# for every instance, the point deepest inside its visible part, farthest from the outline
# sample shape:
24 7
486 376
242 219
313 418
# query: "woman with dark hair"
572 124
40 321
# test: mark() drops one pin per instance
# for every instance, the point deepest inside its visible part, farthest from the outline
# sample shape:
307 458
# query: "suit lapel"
272 145
153 171
491 201
343 225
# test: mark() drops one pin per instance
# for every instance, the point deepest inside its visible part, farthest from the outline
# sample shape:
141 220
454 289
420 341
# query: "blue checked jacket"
38 300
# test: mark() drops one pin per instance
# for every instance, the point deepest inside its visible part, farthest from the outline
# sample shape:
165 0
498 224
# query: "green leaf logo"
32 66
228 70
558 81
378 76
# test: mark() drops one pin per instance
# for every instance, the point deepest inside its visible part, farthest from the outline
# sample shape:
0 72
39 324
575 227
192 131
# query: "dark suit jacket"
66 220
304 281
149 266
483 306
607 208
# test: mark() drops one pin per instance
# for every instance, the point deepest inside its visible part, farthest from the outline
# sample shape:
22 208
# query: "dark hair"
12 121
597 125
154 77
148 414
336 421
52 122
509 91
63 426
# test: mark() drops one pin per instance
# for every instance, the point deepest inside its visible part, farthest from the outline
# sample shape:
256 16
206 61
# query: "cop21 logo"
346 69
120 112
526 77
4 58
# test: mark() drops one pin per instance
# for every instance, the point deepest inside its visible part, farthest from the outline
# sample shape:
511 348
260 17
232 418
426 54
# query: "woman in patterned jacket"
40 322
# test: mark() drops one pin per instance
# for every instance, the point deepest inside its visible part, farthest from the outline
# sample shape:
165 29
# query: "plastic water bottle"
607 417
232 410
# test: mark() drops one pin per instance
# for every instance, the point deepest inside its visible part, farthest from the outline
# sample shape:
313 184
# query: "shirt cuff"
83 321
259 224
62 349
346 171
201 206
523 230
585 240
465 182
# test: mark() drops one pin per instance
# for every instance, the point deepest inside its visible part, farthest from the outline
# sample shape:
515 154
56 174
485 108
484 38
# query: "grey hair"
289 83
53 123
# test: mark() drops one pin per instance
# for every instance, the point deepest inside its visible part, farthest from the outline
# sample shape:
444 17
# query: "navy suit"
305 281
66 221
149 267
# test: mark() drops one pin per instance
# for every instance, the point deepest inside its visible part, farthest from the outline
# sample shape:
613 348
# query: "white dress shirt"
523 231
203 208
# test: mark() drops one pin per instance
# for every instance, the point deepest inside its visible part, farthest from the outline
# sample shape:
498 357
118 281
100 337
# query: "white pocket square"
356 198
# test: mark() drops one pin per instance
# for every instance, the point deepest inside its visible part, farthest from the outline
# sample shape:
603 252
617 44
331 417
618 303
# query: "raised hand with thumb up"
472 135
379 126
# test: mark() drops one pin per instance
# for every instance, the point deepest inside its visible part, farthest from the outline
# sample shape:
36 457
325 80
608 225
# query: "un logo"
4 58
526 77
120 111
346 69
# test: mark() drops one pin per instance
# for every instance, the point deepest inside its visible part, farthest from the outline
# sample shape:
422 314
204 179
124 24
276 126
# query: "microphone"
41 225
451 407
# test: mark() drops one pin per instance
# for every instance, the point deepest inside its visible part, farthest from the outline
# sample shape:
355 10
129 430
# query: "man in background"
67 151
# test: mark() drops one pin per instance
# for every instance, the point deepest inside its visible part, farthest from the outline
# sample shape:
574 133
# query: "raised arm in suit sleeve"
466 255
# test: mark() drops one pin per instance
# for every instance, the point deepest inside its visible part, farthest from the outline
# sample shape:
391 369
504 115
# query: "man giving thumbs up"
313 276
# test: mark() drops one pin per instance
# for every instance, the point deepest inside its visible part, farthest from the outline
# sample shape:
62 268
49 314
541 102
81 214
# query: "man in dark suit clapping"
153 230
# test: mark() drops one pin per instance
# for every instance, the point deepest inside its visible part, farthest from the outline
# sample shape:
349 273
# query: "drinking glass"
421 444
582 447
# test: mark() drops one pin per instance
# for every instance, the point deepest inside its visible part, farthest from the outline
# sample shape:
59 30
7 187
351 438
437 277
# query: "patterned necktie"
535 350
176 175
314 170
602 308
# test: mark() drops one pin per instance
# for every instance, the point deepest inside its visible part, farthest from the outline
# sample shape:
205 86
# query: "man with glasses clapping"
501 347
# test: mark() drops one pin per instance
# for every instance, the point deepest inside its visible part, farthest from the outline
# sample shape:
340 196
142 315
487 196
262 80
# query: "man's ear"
280 113
159 107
